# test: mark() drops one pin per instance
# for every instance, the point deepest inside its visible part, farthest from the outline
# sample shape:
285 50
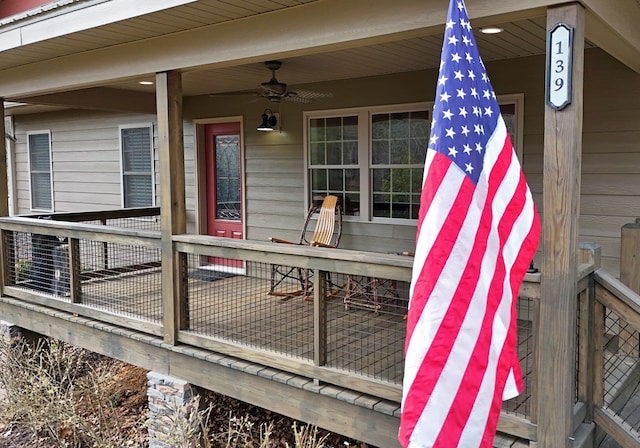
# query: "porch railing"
228 309
616 368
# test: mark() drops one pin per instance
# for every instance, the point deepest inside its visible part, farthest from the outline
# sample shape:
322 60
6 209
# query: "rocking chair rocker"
327 233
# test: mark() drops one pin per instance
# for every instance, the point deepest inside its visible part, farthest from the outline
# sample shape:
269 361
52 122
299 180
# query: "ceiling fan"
276 91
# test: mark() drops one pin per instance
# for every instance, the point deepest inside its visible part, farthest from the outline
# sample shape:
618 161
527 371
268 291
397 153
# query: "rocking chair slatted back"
325 226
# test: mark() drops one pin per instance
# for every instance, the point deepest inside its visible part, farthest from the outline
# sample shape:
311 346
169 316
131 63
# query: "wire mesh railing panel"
142 223
131 287
367 326
237 305
39 263
621 374
521 405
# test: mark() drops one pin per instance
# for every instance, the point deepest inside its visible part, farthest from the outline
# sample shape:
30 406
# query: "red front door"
224 185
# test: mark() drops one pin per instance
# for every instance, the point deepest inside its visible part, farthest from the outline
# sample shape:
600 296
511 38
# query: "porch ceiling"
44 41
54 34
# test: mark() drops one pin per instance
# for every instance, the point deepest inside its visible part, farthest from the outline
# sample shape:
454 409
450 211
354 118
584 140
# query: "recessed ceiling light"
491 30
146 83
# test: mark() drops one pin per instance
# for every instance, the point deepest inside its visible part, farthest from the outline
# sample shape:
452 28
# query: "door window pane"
228 177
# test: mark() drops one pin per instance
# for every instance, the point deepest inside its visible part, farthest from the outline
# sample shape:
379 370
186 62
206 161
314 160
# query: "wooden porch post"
4 198
172 199
4 186
561 211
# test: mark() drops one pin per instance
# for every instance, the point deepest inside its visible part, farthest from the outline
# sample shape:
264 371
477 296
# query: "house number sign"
559 61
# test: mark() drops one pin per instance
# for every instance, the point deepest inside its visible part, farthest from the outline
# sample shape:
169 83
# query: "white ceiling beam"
313 28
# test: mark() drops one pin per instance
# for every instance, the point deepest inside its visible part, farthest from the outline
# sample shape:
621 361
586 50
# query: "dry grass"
60 396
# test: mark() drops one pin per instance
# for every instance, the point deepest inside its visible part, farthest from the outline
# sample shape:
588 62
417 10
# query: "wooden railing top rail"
375 264
618 289
80 230
135 212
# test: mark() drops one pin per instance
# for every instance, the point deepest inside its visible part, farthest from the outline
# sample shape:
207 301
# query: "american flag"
478 231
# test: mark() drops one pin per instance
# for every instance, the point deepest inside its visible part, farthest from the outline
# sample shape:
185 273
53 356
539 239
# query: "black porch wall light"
269 121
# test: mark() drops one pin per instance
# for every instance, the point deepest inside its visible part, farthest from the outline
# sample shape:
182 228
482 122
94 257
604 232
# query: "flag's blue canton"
466 110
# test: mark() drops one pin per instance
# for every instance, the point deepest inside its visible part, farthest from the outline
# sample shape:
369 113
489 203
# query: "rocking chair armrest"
278 240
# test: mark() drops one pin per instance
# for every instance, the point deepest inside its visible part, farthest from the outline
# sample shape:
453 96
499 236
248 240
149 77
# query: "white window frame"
152 155
31 205
364 115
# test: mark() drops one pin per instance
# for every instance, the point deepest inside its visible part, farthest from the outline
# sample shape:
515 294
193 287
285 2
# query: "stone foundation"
168 397
8 331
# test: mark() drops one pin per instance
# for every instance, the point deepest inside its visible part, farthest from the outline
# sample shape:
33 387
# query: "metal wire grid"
521 405
367 327
622 370
237 307
118 278
39 263
129 284
142 223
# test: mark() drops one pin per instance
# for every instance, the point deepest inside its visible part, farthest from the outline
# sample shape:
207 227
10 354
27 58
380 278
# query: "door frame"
201 171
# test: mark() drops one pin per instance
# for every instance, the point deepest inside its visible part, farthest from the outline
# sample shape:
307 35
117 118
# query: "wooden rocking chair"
327 233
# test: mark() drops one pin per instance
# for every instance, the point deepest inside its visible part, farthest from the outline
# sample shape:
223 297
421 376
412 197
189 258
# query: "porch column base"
9 331
170 401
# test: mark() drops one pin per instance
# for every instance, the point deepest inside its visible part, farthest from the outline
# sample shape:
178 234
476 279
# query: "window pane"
420 124
319 180
318 153
380 152
352 204
228 177
399 151
333 129
399 126
350 128
316 130
136 190
136 149
334 153
380 126
39 156
382 205
381 180
350 153
352 180
336 182
418 151
41 191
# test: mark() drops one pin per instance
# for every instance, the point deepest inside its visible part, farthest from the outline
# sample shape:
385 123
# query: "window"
398 150
137 166
40 181
373 158
333 155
